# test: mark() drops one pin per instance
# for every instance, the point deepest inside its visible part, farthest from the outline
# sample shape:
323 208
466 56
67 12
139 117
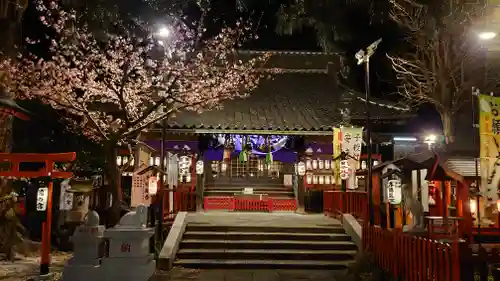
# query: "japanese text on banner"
489 134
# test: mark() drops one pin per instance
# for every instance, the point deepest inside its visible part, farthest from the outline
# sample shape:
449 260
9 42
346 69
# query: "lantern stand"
48 173
156 205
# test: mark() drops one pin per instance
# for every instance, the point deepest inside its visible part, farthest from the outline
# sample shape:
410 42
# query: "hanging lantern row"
362 165
320 179
319 164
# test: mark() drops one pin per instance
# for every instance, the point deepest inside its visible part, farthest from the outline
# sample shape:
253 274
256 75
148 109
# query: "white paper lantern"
327 179
309 179
315 164
199 167
321 164
308 164
394 195
327 164
315 179
153 185
301 168
321 180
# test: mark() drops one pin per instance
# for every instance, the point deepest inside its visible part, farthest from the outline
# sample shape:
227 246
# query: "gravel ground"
27 268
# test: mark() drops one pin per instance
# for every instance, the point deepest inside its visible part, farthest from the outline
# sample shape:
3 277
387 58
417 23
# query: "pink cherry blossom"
117 87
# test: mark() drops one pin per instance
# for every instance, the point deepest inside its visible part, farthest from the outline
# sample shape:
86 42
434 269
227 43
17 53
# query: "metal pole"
369 140
161 187
475 125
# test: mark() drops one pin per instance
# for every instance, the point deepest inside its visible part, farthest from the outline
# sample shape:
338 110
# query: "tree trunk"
112 170
448 126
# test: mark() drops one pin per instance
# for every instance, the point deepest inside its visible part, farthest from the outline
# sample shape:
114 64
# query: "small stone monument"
88 249
129 258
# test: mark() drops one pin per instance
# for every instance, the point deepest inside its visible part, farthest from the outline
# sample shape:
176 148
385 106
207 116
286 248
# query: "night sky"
363 34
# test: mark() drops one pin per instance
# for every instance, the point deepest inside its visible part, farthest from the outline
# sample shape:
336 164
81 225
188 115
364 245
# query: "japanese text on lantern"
125 248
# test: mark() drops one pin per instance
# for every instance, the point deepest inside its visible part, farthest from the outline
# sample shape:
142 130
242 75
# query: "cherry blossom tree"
114 88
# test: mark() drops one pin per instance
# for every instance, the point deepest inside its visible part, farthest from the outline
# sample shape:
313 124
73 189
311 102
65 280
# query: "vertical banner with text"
336 153
489 137
352 140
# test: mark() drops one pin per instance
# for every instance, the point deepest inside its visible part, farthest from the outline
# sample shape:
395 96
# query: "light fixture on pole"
487 35
363 57
163 32
430 140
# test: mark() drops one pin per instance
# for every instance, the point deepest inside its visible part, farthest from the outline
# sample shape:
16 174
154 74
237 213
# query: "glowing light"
473 205
409 139
163 32
487 35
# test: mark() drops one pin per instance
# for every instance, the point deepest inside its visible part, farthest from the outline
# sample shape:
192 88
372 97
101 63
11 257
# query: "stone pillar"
129 258
88 250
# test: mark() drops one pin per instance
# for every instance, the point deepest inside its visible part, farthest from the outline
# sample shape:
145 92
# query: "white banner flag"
352 140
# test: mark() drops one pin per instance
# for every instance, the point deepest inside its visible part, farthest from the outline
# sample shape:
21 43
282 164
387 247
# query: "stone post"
88 249
129 258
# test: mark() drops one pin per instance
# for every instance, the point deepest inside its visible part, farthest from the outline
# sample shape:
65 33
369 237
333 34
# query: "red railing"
265 204
342 202
184 200
412 258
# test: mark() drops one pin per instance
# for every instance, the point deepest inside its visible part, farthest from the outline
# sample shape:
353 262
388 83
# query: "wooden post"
301 194
46 233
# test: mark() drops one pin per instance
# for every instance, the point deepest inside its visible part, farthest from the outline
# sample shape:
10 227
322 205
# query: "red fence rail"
412 258
350 202
231 203
184 200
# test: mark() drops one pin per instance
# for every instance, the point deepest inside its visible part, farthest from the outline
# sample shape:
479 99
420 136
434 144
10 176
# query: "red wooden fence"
345 202
184 200
412 258
265 204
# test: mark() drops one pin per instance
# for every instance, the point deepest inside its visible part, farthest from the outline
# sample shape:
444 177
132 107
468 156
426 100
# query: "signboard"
247 190
344 170
66 198
489 134
140 190
42 196
394 192
184 165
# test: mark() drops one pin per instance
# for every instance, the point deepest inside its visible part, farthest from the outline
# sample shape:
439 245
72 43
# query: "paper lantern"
153 185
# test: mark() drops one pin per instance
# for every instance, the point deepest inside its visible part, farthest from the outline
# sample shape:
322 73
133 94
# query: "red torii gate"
15 159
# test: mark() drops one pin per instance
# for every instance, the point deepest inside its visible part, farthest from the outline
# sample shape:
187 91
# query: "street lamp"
430 140
487 35
163 32
363 56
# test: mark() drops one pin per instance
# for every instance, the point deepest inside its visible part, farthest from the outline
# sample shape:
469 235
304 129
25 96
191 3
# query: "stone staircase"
265 247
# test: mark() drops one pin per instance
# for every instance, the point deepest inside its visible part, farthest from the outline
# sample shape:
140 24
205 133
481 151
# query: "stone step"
327 229
272 244
266 254
262 264
259 236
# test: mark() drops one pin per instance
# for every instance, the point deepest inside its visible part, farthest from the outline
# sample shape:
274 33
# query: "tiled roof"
290 101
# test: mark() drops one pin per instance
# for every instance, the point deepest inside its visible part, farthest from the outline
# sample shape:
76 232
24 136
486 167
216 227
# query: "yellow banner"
489 138
336 153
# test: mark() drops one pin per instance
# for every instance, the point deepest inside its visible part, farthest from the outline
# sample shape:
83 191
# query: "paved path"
285 219
181 274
